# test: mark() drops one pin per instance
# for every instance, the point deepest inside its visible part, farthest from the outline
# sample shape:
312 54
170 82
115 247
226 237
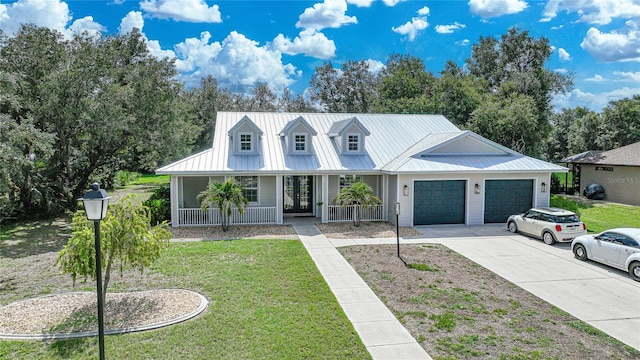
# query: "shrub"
564 203
159 205
556 187
124 177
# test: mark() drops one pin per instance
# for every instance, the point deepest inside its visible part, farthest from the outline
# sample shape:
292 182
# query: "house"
617 170
296 163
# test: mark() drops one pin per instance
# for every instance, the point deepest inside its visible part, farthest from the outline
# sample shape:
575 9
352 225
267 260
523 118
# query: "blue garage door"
439 202
506 197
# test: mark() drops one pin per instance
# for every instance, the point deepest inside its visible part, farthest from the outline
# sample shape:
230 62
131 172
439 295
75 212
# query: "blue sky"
281 42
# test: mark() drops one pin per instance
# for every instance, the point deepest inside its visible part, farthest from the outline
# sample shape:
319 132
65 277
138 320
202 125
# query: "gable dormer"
245 137
349 136
297 136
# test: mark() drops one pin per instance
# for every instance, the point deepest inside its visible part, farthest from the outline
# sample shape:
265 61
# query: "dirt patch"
457 309
366 230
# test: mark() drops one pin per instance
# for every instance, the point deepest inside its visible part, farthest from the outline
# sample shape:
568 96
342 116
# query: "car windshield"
564 219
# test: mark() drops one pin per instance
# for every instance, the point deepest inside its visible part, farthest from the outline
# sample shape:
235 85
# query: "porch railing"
251 216
338 213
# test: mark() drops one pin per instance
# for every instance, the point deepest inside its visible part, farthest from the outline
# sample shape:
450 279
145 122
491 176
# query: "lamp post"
96 202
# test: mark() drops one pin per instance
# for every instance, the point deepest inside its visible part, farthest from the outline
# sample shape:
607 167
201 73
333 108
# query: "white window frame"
295 142
241 142
358 142
257 188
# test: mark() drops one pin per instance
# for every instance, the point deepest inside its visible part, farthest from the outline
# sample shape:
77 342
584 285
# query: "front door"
298 194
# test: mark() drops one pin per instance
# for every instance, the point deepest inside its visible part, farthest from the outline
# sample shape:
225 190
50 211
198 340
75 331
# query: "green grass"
266 298
602 216
151 179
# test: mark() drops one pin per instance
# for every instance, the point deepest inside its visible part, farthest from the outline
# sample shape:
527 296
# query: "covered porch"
272 198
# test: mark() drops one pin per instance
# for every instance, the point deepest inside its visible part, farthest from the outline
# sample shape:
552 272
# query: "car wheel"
634 270
580 252
512 227
548 238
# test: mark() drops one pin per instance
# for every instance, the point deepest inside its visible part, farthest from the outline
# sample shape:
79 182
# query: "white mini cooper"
552 225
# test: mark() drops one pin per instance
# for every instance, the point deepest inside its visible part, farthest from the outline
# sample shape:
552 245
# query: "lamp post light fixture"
96 202
543 187
405 190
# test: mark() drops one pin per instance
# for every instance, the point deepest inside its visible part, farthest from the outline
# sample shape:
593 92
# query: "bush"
556 187
564 203
159 204
124 177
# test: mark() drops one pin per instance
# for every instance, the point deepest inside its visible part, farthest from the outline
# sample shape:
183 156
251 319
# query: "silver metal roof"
395 144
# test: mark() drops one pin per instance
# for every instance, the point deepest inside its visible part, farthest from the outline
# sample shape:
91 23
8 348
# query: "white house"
296 163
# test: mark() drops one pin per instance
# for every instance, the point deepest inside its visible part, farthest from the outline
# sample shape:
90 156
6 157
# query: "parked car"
618 248
549 224
594 191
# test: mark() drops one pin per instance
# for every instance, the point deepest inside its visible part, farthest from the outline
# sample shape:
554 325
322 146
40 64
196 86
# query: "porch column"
325 198
279 205
174 191
385 197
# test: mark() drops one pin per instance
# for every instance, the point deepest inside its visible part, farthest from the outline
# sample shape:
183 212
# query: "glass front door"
298 194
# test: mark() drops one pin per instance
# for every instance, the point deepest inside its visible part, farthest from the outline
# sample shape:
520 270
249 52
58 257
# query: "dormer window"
246 142
300 142
353 142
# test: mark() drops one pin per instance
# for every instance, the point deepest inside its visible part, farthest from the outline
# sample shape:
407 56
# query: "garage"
439 202
506 197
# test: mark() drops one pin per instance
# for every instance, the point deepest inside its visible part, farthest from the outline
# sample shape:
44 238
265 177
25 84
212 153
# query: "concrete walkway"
378 328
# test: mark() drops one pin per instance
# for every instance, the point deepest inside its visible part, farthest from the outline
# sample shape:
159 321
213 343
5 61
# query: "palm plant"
357 195
226 195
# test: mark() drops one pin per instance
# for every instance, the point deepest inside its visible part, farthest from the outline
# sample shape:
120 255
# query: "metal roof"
626 156
396 144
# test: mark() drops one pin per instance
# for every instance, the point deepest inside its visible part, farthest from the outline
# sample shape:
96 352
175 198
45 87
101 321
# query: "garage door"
439 202
506 197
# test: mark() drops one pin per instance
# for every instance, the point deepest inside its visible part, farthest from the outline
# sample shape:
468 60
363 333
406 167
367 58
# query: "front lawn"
266 299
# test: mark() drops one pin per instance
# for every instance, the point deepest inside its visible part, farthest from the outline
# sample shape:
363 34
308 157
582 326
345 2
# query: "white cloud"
237 61
182 10
52 14
391 2
595 102
413 27
494 8
86 24
464 42
622 45
448 29
564 55
375 66
360 3
598 12
329 14
309 42
132 20
628 76
595 78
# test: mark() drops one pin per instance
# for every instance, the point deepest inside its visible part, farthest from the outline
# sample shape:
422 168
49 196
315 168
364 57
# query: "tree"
323 87
457 94
288 103
263 98
346 91
564 130
128 242
620 123
358 195
226 195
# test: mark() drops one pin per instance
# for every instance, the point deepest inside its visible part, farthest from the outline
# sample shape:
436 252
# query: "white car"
552 225
618 248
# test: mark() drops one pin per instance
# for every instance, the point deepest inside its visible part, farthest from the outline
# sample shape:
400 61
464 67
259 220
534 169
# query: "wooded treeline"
77 111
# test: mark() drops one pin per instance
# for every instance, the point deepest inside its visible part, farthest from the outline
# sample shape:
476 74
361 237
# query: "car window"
627 241
607 236
546 217
531 215
565 219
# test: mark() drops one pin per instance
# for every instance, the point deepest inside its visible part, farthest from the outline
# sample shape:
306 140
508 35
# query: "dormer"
245 137
297 136
349 136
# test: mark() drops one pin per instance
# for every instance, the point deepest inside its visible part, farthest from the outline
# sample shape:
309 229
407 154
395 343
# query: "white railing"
251 216
369 213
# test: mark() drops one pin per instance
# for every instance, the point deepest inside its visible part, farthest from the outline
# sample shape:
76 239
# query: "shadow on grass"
34 237
69 348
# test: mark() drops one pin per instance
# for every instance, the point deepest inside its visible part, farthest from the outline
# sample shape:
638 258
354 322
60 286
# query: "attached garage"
439 202
506 197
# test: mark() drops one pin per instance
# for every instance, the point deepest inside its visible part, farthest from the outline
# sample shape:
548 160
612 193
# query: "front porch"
274 197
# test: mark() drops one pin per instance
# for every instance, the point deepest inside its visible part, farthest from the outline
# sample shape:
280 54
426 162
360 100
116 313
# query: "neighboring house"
295 164
618 170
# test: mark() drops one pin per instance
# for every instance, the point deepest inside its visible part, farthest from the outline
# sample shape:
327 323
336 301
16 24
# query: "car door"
528 222
628 246
604 249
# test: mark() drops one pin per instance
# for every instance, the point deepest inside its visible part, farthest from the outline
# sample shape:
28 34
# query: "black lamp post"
96 202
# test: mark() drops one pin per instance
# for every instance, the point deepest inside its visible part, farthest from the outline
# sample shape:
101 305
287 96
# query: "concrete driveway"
605 298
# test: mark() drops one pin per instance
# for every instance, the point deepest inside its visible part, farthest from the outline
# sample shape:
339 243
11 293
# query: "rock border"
77 335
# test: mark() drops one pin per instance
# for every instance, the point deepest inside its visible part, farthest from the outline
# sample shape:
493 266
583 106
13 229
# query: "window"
245 142
348 180
249 187
300 142
353 142
531 215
